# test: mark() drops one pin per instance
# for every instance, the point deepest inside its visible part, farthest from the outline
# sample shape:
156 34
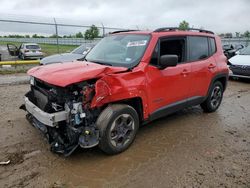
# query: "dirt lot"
187 149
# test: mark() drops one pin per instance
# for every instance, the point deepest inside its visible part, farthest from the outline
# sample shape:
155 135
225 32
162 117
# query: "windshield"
119 50
245 51
81 50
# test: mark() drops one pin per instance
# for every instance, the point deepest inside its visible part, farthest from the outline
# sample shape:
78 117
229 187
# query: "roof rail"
121 31
178 29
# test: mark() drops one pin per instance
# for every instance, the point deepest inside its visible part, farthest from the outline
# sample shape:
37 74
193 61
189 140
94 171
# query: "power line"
53 24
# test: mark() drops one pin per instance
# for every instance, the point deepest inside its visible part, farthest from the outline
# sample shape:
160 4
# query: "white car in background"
30 51
240 64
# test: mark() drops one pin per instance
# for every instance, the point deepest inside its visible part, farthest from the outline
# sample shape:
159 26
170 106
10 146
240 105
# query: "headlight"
32 80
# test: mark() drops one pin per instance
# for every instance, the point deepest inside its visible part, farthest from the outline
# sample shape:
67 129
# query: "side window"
212 46
198 48
170 46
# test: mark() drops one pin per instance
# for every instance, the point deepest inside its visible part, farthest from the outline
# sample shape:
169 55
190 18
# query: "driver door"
168 88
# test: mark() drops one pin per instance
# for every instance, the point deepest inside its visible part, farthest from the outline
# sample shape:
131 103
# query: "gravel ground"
187 149
14 79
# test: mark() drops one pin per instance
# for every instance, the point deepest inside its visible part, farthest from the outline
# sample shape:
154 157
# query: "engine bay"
79 127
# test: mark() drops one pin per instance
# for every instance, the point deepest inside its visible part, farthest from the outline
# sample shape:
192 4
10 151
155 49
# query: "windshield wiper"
97 62
100 63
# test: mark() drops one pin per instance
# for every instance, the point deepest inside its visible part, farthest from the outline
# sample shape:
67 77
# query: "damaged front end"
63 114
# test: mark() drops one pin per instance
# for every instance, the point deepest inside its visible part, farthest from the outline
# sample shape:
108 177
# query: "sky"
219 16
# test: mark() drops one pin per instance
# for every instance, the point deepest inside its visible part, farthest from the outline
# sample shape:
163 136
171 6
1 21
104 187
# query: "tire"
22 57
214 98
118 125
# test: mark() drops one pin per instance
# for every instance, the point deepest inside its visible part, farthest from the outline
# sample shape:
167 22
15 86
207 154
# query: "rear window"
198 48
32 47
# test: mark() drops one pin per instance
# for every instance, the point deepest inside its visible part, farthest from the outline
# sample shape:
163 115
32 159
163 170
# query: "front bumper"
238 76
241 71
43 117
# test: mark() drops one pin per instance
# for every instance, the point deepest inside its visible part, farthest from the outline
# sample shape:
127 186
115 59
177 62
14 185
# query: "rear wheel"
118 125
214 98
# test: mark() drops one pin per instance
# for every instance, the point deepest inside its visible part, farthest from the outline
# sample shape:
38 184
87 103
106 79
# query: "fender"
217 77
114 88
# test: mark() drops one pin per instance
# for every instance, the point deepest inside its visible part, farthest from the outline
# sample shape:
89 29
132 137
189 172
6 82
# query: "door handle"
185 72
211 66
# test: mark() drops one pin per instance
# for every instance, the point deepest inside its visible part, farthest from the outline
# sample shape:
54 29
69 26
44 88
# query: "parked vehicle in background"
129 78
26 51
231 50
240 64
239 48
77 53
30 51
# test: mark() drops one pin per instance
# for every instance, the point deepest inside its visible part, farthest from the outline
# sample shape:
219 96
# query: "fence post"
103 30
57 42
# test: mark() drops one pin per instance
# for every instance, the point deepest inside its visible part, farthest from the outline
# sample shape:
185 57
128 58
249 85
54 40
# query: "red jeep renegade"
129 78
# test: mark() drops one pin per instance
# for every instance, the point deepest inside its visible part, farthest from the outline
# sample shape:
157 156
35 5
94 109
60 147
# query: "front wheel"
214 98
118 125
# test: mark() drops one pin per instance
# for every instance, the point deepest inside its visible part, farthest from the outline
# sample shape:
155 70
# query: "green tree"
79 35
35 36
184 25
222 35
247 34
237 34
27 36
228 35
91 33
52 36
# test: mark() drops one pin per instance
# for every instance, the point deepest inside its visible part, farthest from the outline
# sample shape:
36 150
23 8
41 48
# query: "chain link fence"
48 30
235 41
61 41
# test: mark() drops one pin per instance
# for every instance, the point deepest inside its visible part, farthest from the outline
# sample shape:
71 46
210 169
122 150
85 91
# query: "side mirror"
168 61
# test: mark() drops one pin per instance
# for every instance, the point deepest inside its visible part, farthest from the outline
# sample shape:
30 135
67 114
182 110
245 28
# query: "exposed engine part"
76 114
88 93
90 137
78 127
56 107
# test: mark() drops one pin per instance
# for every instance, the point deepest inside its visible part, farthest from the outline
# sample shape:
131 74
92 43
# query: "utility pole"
57 42
103 30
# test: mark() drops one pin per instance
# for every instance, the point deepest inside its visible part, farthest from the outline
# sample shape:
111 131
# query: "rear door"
203 63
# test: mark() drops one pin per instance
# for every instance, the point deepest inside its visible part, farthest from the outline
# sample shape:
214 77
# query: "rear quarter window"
213 48
198 48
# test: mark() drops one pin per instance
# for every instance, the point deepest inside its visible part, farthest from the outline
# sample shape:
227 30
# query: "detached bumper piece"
45 118
61 138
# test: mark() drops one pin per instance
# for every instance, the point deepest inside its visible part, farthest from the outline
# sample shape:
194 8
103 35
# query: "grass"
13 71
48 49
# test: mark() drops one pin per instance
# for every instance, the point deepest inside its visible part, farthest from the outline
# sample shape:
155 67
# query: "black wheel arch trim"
218 77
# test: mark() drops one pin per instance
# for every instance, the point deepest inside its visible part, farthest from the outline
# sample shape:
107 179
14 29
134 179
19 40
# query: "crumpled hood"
64 74
60 58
